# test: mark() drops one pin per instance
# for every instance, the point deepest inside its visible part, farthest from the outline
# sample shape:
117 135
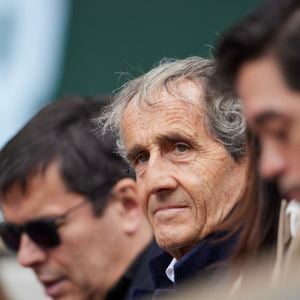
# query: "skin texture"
187 182
81 266
273 111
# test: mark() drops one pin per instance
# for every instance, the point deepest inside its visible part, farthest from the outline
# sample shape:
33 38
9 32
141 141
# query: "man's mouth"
53 287
167 209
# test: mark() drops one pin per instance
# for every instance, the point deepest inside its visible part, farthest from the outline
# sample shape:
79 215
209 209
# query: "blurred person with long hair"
260 58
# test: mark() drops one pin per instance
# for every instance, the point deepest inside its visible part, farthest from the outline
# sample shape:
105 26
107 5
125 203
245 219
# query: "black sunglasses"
43 232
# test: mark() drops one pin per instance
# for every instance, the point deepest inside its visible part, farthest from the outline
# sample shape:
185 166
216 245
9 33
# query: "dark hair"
255 217
273 28
64 131
259 213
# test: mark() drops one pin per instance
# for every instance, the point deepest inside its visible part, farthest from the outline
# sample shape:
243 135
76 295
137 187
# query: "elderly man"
70 208
260 56
186 143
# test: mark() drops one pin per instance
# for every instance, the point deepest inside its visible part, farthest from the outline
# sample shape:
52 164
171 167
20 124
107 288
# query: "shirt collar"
212 250
170 270
293 210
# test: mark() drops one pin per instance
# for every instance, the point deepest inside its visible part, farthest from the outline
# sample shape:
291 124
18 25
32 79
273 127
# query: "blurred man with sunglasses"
70 208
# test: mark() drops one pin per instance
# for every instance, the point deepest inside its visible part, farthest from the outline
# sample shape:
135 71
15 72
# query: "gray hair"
223 117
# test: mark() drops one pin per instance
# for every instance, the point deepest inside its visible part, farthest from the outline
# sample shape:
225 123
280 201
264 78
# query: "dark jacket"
137 275
204 262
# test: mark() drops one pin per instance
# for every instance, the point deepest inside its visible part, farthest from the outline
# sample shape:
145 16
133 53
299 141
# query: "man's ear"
125 192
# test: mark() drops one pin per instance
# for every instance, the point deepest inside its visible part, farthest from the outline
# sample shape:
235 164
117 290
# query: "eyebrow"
267 117
132 153
162 139
173 137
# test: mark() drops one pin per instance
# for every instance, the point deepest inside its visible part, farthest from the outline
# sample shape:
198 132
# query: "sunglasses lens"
43 233
11 236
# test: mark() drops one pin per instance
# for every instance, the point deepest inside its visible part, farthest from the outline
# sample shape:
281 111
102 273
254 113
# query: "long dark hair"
255 218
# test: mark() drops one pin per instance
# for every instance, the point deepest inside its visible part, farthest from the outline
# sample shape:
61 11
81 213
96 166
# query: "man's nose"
160 176
30 254
272 162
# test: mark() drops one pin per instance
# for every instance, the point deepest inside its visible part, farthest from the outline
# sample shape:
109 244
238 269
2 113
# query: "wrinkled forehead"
187 93
165 110
190 91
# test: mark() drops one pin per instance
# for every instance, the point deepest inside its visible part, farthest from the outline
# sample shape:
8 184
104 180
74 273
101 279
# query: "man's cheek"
141 195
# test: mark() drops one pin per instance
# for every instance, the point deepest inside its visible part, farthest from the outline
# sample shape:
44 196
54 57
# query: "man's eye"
181 147
141 158
276 130
280 135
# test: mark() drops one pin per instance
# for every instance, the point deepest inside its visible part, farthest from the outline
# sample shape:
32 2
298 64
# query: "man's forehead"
180 121
36 177
166 112
181 90
41 193
182 112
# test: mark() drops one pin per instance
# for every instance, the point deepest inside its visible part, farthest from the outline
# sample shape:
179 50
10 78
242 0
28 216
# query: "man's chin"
177 247
293 195
55 289
60 290
290 191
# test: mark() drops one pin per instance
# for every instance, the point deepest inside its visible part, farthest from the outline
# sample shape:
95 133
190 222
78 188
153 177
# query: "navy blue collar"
201 261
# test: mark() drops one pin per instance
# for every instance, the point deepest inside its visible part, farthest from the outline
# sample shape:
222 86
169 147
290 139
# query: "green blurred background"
106 38
55 48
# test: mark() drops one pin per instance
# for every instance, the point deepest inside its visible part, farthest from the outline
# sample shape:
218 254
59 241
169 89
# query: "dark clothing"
203 262
137 276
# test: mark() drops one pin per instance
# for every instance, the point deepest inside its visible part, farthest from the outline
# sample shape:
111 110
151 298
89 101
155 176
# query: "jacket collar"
201 261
